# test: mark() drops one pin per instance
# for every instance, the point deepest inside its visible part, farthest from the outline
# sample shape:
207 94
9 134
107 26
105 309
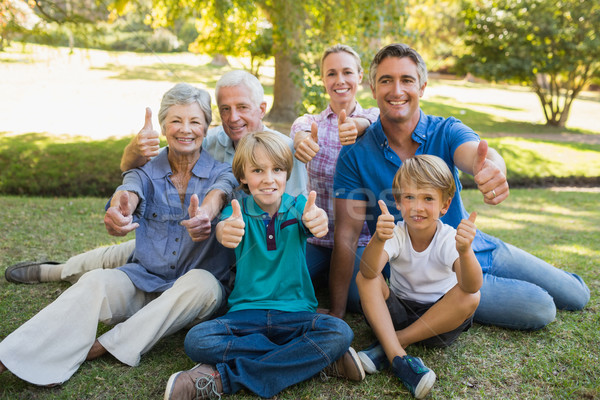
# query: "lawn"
558 362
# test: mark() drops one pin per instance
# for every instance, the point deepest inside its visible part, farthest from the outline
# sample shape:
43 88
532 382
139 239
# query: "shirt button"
174 253
270 236
177 239
172 267
154 215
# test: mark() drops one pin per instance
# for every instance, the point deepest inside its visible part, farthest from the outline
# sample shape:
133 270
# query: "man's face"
240 115
397 90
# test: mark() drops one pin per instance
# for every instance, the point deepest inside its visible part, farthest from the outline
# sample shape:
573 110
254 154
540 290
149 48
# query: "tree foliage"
554 47
300 31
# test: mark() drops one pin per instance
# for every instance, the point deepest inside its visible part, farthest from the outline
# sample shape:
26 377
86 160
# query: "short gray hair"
338 48
181 94
399 50
241 77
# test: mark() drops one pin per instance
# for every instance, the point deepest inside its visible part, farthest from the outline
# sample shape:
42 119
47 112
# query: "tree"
554 47
15 17
300 31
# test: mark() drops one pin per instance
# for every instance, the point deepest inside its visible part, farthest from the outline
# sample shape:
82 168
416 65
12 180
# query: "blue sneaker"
373 358
417 378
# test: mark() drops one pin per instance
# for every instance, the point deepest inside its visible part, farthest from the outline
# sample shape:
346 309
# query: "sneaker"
373 358
417 378
348 366
201 382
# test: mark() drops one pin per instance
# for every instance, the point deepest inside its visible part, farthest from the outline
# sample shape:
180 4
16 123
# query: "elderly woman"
170 280
318 140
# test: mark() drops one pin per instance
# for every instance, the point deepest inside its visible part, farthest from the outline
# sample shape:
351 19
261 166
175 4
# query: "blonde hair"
339 48
425 170
277 150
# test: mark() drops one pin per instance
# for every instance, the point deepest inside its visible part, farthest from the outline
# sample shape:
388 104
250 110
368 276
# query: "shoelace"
206 386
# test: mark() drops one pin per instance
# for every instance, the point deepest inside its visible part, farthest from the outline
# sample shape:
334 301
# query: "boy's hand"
118 219
347 129
309 146
198 226
315 218
147 141
465 233
232 230
385 223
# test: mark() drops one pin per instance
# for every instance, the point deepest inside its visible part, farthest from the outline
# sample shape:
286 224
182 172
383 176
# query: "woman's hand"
118 219
231 231
308 147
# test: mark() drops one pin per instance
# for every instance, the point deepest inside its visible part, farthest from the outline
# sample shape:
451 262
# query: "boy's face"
266 182
421 206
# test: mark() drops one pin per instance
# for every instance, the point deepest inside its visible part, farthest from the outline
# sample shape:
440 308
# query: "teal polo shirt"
271 259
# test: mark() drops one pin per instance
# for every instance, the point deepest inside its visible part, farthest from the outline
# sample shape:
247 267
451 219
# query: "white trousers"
51 346
107 257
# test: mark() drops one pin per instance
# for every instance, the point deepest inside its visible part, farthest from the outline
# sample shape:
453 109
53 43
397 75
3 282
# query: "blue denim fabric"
318 259
267 351
521 291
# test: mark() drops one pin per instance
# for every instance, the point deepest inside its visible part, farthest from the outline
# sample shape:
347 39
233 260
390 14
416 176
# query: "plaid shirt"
322 167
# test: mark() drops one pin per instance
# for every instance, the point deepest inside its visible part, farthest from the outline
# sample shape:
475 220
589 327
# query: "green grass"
558 362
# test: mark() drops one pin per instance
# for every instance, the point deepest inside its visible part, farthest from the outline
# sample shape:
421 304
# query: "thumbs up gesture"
309 146
490 180
465 233
198 226
347 129
147 140
231 231
385 223
118 219
315 218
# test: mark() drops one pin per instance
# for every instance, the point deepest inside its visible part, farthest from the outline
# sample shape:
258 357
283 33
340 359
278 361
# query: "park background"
69 102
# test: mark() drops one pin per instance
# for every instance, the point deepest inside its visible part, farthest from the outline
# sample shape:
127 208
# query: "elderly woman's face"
185 127
341 77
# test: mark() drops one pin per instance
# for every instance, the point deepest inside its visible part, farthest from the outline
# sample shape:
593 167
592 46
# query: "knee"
340 332
198 340
197 281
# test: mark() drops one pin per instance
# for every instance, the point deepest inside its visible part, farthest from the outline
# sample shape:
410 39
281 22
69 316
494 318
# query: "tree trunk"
287 95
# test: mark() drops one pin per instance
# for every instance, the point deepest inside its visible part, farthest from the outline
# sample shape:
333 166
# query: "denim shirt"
164 250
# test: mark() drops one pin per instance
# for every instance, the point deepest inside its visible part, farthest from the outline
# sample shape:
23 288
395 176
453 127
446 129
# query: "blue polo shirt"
271 259
365 171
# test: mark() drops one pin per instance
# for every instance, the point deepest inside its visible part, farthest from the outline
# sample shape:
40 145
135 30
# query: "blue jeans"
267 351
318 260
521 291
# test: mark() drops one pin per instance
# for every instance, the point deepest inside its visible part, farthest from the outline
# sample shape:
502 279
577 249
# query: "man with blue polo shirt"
519 290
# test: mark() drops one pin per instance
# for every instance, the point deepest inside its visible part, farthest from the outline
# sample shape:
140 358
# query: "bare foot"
96 351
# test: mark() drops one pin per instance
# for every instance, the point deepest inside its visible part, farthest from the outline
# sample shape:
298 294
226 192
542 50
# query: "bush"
41 165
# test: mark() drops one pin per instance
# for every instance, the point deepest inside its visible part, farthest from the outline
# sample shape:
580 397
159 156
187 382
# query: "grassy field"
558 362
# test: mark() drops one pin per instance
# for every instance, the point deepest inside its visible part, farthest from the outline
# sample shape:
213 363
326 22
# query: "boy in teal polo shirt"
272 337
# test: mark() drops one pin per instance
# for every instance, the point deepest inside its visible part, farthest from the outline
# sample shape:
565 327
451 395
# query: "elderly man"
519 290
240 99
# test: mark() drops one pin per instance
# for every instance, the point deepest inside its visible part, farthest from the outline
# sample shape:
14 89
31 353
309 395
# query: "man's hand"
231 231
490 180
465 233
315 218
347 129
119 219
385 223
147 141
198 226
309 146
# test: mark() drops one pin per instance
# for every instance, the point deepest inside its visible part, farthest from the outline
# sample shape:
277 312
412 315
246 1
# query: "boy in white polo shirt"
434 279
